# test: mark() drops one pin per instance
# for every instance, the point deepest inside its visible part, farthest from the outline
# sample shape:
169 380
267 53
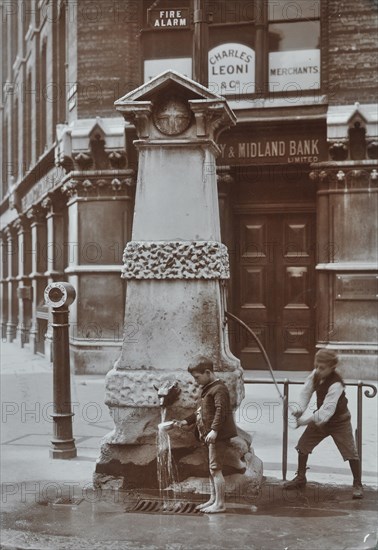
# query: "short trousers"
341 432
217 451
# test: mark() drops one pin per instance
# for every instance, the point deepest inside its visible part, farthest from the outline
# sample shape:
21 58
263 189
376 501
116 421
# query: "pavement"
51 504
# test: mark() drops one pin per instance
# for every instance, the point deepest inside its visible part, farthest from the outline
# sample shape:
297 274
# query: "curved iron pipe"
261 347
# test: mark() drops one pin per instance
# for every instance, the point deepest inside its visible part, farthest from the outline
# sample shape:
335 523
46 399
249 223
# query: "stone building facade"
297 175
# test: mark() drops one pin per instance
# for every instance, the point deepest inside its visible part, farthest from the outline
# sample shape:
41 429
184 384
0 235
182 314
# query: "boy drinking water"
215 427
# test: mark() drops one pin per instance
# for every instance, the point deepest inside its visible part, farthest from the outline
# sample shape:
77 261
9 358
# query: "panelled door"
275 289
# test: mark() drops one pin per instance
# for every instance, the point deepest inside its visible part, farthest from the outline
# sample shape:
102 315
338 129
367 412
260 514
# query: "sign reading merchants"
294 71
169 19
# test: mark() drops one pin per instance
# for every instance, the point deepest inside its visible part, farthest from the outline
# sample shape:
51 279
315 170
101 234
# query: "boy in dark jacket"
332 417
214 426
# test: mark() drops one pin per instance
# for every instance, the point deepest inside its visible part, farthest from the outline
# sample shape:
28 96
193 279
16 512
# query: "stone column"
12 284
174 264
24 290
37 219
54 254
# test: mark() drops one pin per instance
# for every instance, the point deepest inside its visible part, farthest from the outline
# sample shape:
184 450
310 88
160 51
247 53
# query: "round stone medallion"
172 117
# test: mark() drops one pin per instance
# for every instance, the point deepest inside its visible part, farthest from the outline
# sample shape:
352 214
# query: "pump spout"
168 393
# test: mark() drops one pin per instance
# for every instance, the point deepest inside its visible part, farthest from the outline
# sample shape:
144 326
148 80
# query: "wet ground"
320 517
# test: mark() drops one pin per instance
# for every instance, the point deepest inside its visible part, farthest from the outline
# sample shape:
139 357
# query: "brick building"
297 175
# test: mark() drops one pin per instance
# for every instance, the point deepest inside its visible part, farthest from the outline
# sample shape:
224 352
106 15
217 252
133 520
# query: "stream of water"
166 468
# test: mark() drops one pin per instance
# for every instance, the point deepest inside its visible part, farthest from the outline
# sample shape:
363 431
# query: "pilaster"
347 263
4 284
37 218
99 217
24 290
11 327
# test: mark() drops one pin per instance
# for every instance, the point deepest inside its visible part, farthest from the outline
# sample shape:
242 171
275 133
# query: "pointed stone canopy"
136 106
175 265
164 80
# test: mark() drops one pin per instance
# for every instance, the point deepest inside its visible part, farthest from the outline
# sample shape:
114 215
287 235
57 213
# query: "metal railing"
370 392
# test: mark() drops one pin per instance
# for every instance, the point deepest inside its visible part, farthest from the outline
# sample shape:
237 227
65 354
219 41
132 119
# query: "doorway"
274 288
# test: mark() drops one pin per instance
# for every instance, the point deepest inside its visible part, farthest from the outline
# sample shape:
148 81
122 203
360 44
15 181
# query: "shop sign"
294 71
153 67
169 19
280 150
231 69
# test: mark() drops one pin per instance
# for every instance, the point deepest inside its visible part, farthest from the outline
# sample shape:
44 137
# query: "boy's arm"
221 404
191 419
306 393
327 410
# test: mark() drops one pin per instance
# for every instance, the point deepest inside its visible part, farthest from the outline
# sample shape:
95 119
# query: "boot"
358 490
300 479
299 482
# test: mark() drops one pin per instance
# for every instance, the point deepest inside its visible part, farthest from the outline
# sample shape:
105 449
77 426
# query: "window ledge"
277 102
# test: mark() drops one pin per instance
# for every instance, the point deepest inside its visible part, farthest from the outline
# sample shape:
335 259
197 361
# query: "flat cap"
327 356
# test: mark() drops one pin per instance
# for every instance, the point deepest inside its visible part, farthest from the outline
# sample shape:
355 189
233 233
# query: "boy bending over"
332 417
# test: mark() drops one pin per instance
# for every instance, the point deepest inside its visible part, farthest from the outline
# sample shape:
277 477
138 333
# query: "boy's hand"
180 423
211 437
302 421
297 414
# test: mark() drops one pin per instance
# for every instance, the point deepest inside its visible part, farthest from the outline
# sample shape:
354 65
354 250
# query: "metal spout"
168 393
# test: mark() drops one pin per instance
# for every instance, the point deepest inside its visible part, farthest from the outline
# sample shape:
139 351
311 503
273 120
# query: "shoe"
297 483
358 490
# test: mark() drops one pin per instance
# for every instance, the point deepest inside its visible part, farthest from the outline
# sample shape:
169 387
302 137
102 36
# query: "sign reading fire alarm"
169 19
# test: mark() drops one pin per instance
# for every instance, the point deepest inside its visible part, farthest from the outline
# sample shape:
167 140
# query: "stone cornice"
97 184
345 175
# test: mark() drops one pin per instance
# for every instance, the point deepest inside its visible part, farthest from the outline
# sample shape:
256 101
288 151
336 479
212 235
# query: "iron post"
60 296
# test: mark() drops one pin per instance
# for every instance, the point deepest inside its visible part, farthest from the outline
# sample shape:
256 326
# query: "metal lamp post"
60 296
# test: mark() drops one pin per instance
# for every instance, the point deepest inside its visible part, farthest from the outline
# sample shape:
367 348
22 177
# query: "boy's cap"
327 356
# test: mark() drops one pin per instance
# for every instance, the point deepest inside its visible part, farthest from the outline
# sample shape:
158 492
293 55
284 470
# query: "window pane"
303 35
230 11
285 10
294 56
232 69
232 59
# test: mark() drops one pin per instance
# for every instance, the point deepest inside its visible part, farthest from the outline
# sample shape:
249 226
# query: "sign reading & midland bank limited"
272 147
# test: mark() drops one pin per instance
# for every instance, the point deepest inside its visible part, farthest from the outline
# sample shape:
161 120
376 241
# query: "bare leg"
219 504
212 496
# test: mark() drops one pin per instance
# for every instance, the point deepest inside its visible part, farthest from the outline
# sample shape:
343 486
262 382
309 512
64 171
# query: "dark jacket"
214 412
321 388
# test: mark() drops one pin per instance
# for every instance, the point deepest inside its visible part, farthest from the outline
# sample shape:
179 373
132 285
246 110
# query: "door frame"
283 208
